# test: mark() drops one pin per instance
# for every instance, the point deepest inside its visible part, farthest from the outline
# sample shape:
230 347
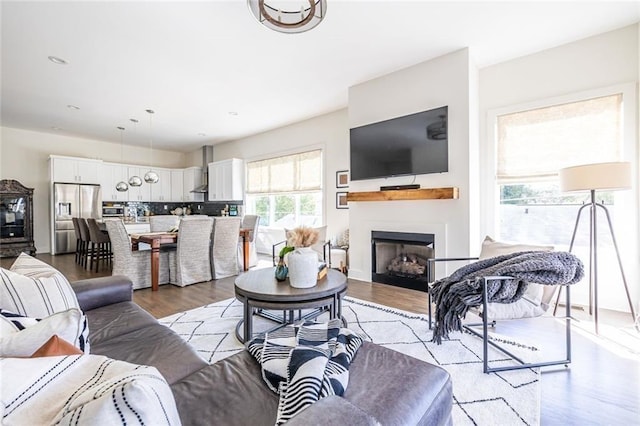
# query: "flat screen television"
414 144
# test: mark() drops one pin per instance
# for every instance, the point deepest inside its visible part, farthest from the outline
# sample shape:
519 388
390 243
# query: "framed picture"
341 200
342 179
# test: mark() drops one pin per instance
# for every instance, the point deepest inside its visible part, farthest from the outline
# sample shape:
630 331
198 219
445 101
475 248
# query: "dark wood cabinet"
16 219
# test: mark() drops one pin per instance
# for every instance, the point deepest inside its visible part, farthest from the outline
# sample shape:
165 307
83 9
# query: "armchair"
534 302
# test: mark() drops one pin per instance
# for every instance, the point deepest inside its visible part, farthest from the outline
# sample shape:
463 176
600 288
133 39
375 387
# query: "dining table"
157 239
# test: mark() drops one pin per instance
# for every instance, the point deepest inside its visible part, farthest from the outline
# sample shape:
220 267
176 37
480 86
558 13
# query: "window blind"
535 144
289 173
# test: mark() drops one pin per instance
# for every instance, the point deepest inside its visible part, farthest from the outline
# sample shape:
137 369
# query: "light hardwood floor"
601 386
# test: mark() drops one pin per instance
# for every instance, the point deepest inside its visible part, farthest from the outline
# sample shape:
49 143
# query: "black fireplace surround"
400 258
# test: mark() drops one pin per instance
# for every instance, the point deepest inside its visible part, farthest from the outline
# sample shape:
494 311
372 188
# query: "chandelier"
151 176
122 186
291 19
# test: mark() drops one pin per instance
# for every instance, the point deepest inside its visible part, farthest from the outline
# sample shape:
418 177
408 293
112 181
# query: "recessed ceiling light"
73 107
233 112
202 134
57 60
133 120
56 128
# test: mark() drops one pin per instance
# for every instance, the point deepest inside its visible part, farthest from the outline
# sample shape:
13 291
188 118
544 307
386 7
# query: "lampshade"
608 176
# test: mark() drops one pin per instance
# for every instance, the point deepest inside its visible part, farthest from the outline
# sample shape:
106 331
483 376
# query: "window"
286 191
532 145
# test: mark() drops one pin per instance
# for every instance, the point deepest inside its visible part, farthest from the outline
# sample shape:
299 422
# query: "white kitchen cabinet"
139 193
110 175
177 185
74 170
192 178
161 190
226 180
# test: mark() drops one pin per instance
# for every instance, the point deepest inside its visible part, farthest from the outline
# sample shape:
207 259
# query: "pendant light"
122 186
151 176
135 180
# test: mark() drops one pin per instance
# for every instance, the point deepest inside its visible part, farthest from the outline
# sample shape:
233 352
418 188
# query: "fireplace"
400 258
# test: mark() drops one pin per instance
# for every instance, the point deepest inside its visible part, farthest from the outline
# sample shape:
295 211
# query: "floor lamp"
592 177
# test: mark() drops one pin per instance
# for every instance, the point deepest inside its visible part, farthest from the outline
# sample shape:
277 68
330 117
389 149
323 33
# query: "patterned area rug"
506 398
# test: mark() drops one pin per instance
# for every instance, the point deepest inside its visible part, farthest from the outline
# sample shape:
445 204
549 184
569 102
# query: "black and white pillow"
35 289
84 390
21 336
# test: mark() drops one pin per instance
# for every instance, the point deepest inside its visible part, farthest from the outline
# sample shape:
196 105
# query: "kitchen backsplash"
208 208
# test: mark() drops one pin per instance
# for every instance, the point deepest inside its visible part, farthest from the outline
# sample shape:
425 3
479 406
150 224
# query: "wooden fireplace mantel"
406 194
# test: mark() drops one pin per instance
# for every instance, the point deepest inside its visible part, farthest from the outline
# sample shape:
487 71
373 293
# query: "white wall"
329 131
597 62
24 157
447 80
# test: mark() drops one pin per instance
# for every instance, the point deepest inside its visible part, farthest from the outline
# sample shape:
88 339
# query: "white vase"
303 267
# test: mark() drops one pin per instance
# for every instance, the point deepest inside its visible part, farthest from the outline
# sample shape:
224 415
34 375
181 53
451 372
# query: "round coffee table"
259 289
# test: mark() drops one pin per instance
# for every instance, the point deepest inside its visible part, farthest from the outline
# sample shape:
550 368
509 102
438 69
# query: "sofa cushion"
84 390
21 336
237 377
35 289
117 319
154 345
398 389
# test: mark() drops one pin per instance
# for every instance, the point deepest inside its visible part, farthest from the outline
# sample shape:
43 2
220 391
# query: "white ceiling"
194 62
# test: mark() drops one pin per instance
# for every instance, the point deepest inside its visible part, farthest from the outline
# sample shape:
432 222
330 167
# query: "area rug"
505 398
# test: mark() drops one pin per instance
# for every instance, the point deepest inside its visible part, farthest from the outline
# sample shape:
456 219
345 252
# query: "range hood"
207 157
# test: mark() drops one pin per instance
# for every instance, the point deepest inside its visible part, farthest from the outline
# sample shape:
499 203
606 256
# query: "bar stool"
100 245
79 245
84 241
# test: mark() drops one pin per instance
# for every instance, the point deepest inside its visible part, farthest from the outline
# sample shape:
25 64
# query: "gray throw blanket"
304 364
454 295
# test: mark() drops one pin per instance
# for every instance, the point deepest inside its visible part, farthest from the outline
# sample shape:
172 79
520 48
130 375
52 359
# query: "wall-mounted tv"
411 145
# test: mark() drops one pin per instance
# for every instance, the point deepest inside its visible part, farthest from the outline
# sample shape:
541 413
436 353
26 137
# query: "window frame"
490 199
293 151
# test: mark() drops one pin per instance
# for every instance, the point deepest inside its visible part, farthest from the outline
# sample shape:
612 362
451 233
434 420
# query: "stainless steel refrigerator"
69 201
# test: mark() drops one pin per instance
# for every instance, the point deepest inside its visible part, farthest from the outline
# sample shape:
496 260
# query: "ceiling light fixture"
135 180
293 20
73 107
57 60
122 186
151 176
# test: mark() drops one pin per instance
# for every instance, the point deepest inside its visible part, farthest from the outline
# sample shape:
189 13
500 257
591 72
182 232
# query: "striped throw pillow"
21 336
84 390
35 289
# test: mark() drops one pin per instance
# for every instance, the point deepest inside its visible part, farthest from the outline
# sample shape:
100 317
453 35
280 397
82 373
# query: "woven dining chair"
189 263
164 222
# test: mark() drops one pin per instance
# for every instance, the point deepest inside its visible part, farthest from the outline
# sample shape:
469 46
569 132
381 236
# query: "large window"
286 191
532 145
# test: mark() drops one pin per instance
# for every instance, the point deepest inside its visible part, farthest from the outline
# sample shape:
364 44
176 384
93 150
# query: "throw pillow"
84 390
22 336
34 289
56 346
531 303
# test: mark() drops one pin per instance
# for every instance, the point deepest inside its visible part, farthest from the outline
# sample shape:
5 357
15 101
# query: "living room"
557 74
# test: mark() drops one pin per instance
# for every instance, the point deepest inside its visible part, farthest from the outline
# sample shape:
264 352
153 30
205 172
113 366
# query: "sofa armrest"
96 292
332 411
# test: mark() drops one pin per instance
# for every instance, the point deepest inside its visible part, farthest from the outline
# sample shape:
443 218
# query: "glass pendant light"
135 180
121 186
151 176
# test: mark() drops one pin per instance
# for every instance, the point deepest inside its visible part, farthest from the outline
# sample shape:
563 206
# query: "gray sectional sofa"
385 387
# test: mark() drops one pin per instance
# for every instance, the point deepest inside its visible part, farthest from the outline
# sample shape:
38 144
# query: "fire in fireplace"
400 258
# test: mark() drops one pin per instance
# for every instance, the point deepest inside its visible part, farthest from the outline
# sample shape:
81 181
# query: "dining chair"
100 245
224 247
189 263
249 221
135 265
164 222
